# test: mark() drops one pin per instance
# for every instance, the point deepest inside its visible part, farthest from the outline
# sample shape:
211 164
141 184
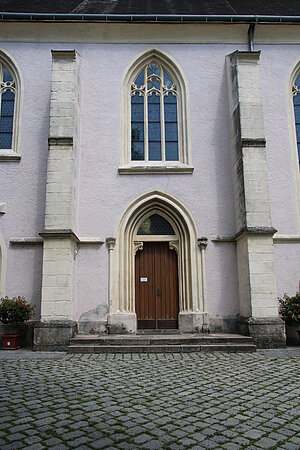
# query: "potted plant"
289 309
13 312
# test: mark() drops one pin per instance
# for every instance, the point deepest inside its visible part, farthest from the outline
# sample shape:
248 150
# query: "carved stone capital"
202 242
138 245
110 242
174 245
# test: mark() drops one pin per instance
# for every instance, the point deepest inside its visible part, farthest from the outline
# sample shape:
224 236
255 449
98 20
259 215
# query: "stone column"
254 232
56 325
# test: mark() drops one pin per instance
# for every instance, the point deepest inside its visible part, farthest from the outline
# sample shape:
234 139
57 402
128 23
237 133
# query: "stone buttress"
254 231
56 326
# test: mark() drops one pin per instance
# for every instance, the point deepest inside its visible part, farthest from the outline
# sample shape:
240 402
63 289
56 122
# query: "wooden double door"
156 286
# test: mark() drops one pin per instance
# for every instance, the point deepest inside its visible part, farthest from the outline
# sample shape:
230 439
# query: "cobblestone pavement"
164 401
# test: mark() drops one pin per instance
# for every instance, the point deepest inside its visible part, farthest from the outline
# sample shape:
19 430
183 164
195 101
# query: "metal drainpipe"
251 37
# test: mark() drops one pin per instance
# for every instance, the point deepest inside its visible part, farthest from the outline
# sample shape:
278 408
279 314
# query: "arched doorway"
156 273
122 281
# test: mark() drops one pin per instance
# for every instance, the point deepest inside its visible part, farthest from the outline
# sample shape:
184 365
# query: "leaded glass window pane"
155 225
168 82
154 128
137 127
171 127
140 79
7 103
153 68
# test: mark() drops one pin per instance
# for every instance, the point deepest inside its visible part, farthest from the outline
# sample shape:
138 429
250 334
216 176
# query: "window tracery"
154 116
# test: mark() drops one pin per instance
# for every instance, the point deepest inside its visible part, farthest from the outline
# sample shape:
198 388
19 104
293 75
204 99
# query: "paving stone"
290 446
59 447
253 434
231 446
142 438
187 442
266 443
73 434
52 441
32 439
102 443
78 442
37 446
13 445
15 436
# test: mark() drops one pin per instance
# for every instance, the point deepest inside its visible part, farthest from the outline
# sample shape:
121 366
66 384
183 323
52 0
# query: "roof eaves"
50 17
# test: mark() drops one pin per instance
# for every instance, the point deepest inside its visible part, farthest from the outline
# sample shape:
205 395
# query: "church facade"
150 174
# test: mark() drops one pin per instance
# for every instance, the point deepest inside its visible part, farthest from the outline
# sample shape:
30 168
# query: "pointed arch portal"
123 295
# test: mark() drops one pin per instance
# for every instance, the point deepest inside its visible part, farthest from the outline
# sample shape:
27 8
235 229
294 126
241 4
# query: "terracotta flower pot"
25 330
10 341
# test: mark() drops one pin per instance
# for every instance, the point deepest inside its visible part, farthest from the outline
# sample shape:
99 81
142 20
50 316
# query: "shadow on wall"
93 321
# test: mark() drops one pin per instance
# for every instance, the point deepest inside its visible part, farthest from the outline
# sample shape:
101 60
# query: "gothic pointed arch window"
10 101
155 137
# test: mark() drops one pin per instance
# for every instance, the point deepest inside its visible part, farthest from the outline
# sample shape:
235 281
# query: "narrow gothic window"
154 115
296 99
7 107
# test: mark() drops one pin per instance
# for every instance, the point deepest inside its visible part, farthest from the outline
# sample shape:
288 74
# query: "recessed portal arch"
122 286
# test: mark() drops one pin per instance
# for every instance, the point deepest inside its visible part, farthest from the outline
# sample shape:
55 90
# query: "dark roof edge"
48 17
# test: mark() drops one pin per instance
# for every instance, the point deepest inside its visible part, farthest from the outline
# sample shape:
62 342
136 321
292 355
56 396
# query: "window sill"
162 168
9 155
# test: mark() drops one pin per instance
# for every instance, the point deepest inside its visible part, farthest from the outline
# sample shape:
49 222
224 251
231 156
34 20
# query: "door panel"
156 286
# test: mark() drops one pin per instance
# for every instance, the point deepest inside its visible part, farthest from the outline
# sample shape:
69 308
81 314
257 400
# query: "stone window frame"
184 164
13 153
293 139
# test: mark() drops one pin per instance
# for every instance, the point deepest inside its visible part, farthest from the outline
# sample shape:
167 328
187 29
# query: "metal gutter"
251 19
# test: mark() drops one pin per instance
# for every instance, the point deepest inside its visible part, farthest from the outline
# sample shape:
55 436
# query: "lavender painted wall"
277 65
103 194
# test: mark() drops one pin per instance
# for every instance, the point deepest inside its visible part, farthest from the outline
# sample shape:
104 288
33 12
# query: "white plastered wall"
3 264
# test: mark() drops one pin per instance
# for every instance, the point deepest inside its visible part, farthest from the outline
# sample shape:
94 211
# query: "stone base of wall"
24 329
54 335
121 323
193 322
266 332
227 324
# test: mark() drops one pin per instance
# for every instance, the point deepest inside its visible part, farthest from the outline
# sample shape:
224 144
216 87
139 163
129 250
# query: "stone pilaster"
254 232
60 213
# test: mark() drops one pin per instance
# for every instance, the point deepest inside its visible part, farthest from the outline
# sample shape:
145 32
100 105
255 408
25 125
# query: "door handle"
158 292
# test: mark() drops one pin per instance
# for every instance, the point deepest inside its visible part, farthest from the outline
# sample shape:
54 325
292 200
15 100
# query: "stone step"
144 340
233 347
155 343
